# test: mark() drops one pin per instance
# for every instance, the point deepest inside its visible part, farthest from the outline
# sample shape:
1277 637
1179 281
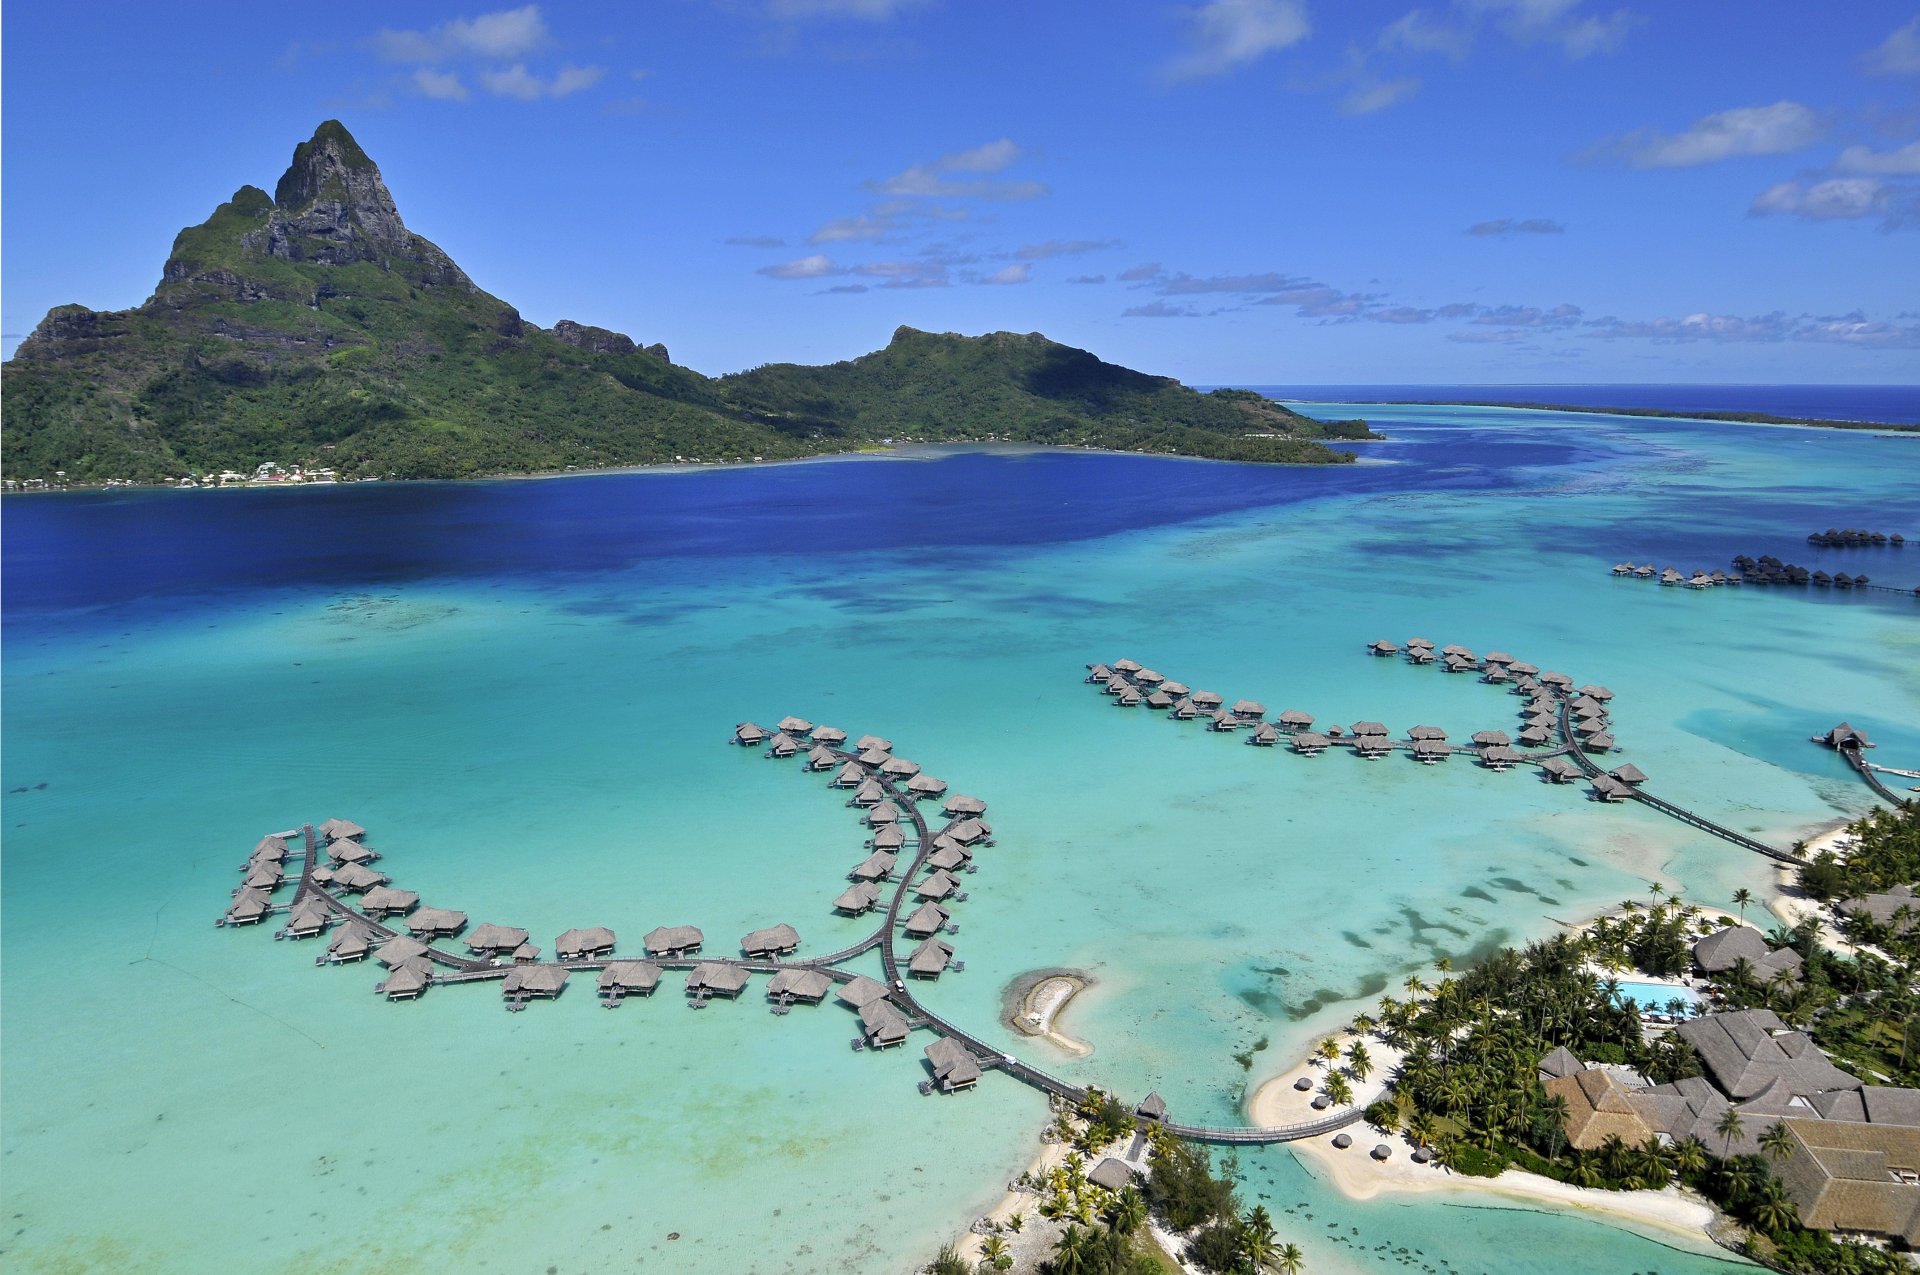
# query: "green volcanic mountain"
313 327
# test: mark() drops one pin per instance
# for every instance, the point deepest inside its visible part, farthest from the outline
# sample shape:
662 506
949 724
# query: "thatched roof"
774 938
339 829
931 957
875 867
386 898
803 985
748 733
1560 768
1176 689
926 785
357 876
1369 728
396 950
962 805
274 846
712 976
1127 666
953 1066
579 942
435 921
409 979
1208 699
927 919
936 886
795 725
309 915
1111 1173
949 858
1744 1055
351 940
783 745
890 837
1559 1061
873 743
1152 1107
348 851
534 980
264 876
899 767
870 793
884 1025
1426 732
632 976
1629 774
1597 1108
858 897
1491 737
967 831
1847 1176
829 735
673 938
885 812
1249 708
863 991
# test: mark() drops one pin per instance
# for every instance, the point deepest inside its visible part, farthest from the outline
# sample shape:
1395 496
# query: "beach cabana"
673 940
307 919
930 959
881 1024
927 919
350 943
435 922
808 986
857 898
873 743
406 981
877 866
954 1068
938 886
629 978
1429 751
711 978
385 900
965 806
1112 1173
357 877
341 830
583 944
525 981
795 725
774 940
861 991
398 950
749 735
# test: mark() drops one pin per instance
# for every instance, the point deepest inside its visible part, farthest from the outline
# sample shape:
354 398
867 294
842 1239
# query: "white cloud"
506 34
444 85
935 180
1836 199
1224 34
1899 53
1136 274
1018 272
1846 329
1904 162
817 266
1418 31
866 10
1377 95
1745 130
519 83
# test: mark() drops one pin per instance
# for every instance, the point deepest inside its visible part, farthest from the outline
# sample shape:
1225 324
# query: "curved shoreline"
1033 1002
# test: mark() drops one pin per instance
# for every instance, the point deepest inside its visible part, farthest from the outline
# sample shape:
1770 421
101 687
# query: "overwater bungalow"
321 874
950 858
1499 757
629 978
1265 735
1454 648
832 736
307 919
1420 655
1185 710
1460 664
889 838
1433 733
1429 751
1372 746
341 830
1499 657
1623 569
595 940
711 978
899 768
874 757
1160 699
1846 736
1177 690
1126 666
1249 709
877 866
783 745
1419 644
494 940
930 959
809 987
884 813
1098 673
750 736
1598 743
1310 743
851 775
1671 577
264 876
1560 680
1491 738
398 950
406 981
926 786
1147 677
1128 698
820 757
1591 726
857 898
1534 737
1643 572
938 886
1369 728
348 851
1629 774
385 900
1607 788
860 991
1585 702
870 793
1540 721
1224 721
357 877
1153 1107
1383 647
435 922
1520 668
274 848
928 919
954 1068
1207 701
774 940
1118 686
1294 719
350 943
673 941
963 805
968 831
881 1024
525 954
795 725
524 982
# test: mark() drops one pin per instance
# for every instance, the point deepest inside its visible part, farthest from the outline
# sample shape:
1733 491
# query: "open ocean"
525 690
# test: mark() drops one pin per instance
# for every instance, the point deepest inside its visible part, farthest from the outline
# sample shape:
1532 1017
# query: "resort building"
629 978
673 941
857 898
928 919
775 940
1746 1053
1112 1173
930 959
1599 1107
1896 909
494 940
1855 1179
953 1067
711 978
524 981
881 1024
594 940
1724 951
809 986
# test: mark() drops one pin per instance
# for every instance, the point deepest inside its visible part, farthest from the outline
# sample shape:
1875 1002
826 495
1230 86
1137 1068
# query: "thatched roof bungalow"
954 1068
673 940
857 898
712 978
930 959
341 830
861 991
927 919
586 943
624 978
882 1024
407 981
774 940
385 900
435 922
524 981
877 866
807 986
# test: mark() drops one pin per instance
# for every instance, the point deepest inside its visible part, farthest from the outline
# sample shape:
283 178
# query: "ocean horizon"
525 691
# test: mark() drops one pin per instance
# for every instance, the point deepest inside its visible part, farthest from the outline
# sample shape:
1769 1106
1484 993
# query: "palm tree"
1016 1222
1129 1210
1257 1238
1776 1141
1584 1173
1555 1108
1289 1259
1359 1061
1421 1128
1414 985
1339 1092
1330 1049
1443 963
1689 1156
1773 1211
1741 898
993 1250
1729 1126
1070 1251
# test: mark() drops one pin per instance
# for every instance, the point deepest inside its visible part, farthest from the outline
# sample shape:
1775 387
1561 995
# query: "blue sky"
1252 191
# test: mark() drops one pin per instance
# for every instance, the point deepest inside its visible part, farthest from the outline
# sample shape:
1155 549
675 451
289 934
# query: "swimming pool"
1654 996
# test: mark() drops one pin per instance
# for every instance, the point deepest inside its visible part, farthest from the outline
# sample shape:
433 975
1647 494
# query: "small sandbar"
1033 1003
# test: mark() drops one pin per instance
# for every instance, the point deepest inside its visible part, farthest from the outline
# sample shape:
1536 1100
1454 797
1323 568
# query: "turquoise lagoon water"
524 689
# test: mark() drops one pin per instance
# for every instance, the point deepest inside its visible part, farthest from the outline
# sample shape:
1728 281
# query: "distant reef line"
1736 418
